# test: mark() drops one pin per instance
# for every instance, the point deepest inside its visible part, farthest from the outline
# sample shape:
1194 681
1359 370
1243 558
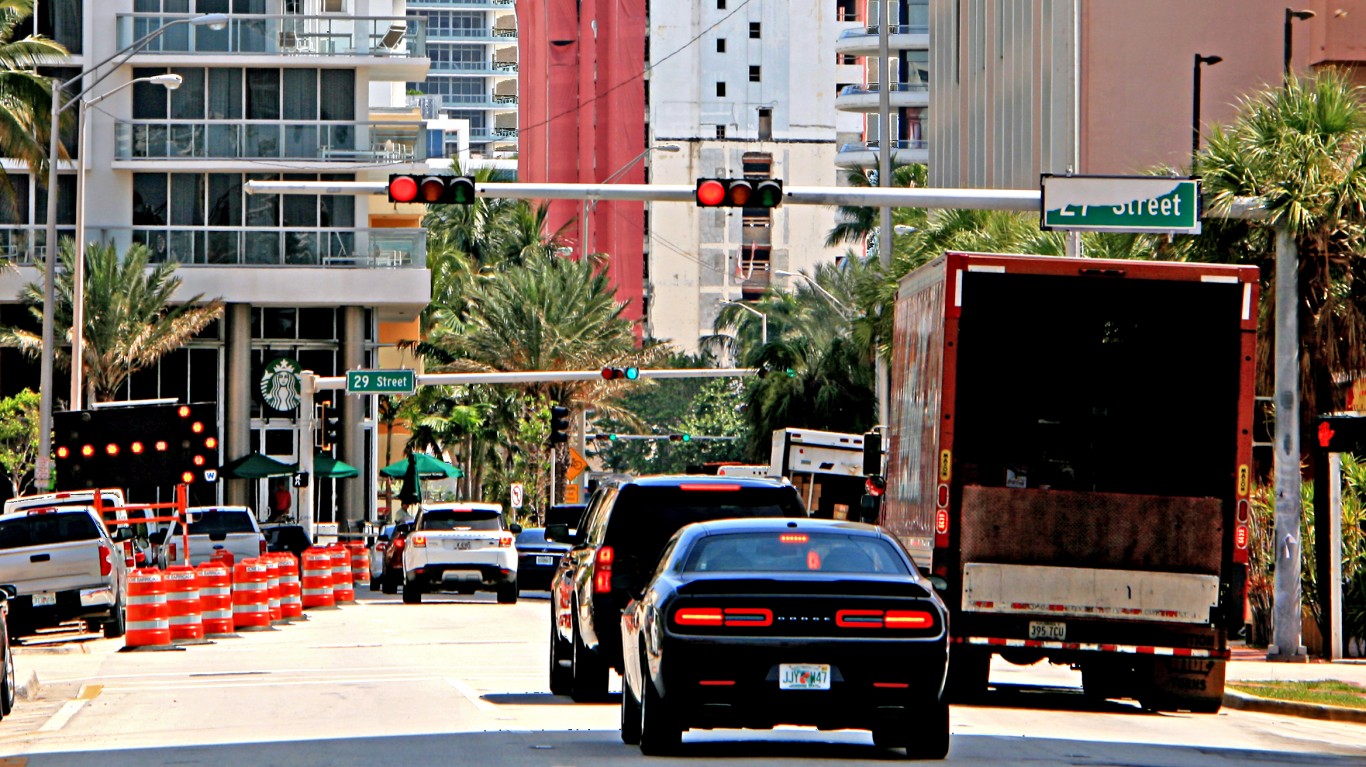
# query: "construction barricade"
291 596
360 565
215 598
250 597
182 604
272 564
317 579
342 591
149 623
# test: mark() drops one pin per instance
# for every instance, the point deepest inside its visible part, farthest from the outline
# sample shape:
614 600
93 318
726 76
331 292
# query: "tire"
561 677
8 687
930 738
375 582
507 593
388 582
412 592
630 716
117 625
589 681
660 732
969 673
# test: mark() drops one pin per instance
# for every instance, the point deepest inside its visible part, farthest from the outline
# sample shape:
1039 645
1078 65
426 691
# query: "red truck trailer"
1070 453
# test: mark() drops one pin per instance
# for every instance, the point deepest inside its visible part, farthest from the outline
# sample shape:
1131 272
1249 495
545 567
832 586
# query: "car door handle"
40 558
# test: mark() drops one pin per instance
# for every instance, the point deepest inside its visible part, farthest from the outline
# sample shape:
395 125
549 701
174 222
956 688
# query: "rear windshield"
47 529
462 520
220 521
793 552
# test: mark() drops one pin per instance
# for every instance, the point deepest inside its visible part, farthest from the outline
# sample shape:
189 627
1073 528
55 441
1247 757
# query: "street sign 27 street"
381 382
1152 204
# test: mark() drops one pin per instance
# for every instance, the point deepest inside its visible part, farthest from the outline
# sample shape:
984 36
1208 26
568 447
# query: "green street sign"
1150 204
381 382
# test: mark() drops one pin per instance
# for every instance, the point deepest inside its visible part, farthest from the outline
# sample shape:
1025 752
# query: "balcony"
347 248
346 143
389 47
865 154
864 98
460 5
863 41
475 68
477 35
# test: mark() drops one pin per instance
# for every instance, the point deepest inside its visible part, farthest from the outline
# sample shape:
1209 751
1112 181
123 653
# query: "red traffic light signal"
738 193
440 190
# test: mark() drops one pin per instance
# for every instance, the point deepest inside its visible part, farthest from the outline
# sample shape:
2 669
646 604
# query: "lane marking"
471 694
89 691
63 715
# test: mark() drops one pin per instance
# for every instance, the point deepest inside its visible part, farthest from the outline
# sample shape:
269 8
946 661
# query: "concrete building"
1106 86
290 89
859 93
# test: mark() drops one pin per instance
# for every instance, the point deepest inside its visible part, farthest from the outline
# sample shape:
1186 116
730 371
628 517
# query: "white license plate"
545 560
1047 630
803 676
44 600
462 545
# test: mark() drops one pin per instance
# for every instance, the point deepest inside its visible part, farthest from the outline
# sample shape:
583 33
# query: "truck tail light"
106 560
129 558
419 541
171 554
263 547
758 617
602 570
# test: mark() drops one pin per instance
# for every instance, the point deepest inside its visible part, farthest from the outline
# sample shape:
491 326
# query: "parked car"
537 559
8 685
460 547
615 550
65 565
390 547
753 623
293 539
211 528
137 549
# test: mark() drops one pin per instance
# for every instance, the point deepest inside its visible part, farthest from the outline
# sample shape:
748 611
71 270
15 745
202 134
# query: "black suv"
617 547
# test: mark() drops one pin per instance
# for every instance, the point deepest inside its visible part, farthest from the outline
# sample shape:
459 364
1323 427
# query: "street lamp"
169 82
589 205
845 311
1195 101
1289 43
43 470
763 333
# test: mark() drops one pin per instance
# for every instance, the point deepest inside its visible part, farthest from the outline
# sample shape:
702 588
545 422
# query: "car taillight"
398 544
884 619
728 616
505 541
170 553
106 560
602 570
420 541
381 546
263 547
129 559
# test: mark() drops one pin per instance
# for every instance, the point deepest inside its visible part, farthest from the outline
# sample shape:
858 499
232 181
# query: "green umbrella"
255 466
428 467
411 492
327 467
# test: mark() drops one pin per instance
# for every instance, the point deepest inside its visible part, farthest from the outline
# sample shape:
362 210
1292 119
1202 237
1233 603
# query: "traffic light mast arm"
547 376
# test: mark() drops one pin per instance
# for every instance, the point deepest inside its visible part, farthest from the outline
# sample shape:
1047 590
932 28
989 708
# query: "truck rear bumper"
1051 647
1082 592
460 576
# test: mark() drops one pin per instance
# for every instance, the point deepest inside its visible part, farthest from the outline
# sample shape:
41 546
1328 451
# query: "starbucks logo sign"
279 384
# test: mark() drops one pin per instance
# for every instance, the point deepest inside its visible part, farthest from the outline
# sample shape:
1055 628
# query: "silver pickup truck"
229 528
65 566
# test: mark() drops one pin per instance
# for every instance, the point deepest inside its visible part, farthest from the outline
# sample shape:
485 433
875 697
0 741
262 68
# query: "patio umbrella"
411 492
428 467
327 467
255 466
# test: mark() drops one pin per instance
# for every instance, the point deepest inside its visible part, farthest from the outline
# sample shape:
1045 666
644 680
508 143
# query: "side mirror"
558 534
938 582
8 592
123 534
515 528
159 537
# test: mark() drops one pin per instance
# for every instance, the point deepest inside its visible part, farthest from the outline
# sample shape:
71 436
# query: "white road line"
63 715
471 694
227 684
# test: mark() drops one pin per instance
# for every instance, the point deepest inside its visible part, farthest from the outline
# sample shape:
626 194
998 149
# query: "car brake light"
884 619
420 541
398 544
602 570
859 619
263 547
907 619
710 488
106 560
504 541
730 616
793 538
699 616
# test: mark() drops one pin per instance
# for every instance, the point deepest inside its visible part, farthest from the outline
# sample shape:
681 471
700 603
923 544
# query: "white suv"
462 547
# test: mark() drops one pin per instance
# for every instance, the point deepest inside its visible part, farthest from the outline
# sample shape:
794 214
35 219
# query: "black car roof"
705 479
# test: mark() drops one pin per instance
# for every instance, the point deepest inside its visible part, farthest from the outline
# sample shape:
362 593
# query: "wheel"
117 625
561 661
660 733
630 716
8 688
374 583
507 593
589 681
930 738
388 581
969 672
412 592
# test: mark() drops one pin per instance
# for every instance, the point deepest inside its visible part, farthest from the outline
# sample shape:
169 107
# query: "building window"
754 30
754 74
720 5
765 123
720 45
720 90
846 59
720 131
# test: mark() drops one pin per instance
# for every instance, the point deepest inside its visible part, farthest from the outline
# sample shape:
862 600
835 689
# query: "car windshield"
47 529
213 521
793 552
531 536
461 520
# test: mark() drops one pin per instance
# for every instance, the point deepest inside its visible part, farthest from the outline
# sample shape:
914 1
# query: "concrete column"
355 494
237 383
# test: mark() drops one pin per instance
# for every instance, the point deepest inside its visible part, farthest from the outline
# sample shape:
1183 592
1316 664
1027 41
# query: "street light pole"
844 311
763 333
43 470
1290 16
1195 104
168 81
589 205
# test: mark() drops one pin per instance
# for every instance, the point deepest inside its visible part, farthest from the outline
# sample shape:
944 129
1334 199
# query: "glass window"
301 94
14 210
338 95
317 324
187 101
149 99
225 94
187 199
263 94
225 199
149 199
794 553
263 209
754 28
720 45
720 90
754 74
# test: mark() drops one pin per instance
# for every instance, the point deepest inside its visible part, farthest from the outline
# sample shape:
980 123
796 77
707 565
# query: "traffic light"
680 438
329 422
603 437
559 425
612 374
739 193
136 445
443 190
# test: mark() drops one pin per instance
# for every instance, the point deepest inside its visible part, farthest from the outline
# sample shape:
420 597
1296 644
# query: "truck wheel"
8 688
969 672
388 582
561 661
117 625
412 592
1182 684
507 593
589 672
660 732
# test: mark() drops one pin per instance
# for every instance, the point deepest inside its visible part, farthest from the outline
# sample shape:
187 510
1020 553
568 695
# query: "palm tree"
25 95
130 321
855 224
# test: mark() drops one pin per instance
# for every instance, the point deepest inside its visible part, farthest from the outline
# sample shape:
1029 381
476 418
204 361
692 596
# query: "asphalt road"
462 681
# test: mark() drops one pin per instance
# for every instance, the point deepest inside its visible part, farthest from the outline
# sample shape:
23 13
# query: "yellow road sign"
576 465
571 494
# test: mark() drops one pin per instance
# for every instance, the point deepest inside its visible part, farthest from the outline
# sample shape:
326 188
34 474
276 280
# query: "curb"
1245 702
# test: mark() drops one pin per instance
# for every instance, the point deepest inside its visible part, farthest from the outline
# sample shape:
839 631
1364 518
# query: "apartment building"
859 82
287 90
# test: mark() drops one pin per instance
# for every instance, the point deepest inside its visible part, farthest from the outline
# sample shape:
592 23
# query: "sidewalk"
1249 664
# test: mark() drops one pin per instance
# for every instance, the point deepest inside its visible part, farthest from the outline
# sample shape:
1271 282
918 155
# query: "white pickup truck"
461 547
137 548
65 565
211 528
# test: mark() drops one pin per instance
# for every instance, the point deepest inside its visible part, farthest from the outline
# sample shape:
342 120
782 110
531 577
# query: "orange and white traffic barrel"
250 599
272 565
342 591
215 598
182 603
317 579
149 622
360 565
291 595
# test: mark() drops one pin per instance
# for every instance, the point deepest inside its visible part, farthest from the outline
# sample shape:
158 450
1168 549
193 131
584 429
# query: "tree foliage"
25 95
19 439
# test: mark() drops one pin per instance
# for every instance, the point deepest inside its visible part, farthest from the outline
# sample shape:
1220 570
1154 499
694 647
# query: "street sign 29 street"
381 382
1151 204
